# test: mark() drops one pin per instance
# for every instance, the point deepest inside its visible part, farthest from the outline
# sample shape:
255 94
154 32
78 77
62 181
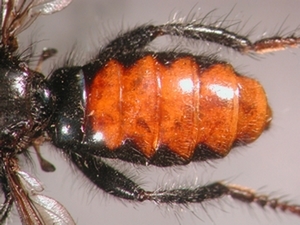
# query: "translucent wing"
46 7
51 211
17 15
34 208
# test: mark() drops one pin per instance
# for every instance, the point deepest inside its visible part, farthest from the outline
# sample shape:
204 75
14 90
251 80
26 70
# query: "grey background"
271 164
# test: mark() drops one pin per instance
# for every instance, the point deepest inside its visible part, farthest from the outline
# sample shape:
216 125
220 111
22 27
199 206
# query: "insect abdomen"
179 106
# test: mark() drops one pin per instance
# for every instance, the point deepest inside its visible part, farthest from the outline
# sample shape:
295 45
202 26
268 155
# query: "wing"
33 207
17 15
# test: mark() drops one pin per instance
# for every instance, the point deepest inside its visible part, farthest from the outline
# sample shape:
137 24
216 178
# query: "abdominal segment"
179 106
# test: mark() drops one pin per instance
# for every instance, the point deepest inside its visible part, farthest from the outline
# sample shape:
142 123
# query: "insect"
58 129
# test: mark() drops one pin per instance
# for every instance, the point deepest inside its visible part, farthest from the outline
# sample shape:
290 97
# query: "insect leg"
135 40
105 177
228 38
117 184
217 190
8 202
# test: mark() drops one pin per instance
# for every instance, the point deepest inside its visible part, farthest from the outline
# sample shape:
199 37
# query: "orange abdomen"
179 106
